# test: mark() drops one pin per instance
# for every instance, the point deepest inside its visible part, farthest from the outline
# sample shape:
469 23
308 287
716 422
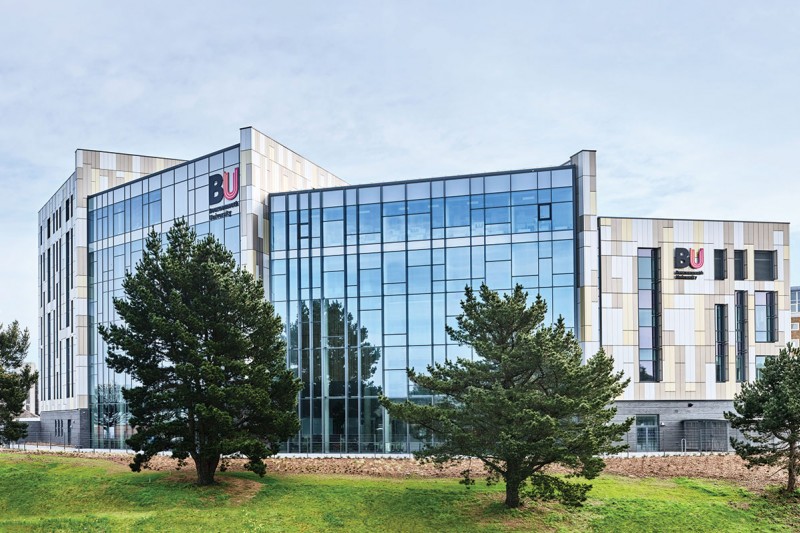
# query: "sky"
692 107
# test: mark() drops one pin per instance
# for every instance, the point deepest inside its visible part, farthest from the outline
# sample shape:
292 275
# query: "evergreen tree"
16 380
524 402
207 354
767 412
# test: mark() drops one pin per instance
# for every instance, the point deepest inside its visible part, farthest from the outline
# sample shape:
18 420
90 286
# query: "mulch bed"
726 467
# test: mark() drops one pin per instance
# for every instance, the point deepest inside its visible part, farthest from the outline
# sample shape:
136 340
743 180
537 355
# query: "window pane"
498 275
333 233
498 183
457 187
419 331
525 256
523 218
369 218
418 190
458 262
563 257
394 229
394 267
457 211
562 216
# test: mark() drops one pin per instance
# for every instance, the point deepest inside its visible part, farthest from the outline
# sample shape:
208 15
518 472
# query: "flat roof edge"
696 220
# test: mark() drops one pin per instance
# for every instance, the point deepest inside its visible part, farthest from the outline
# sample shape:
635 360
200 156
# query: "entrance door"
647 433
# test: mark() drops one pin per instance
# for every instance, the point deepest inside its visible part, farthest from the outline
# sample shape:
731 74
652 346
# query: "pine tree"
16 380
767 412
525 402
206 352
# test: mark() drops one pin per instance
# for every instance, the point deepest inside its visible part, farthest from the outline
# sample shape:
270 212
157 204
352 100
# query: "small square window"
544 211
795 326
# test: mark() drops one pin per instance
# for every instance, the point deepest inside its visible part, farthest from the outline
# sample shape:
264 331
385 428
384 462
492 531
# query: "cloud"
692 109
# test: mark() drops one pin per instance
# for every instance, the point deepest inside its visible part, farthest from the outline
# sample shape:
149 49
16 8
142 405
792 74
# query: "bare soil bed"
727 467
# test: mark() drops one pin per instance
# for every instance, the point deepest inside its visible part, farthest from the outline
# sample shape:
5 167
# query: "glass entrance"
647 433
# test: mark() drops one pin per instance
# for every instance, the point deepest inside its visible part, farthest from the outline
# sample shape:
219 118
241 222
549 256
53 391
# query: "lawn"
52 493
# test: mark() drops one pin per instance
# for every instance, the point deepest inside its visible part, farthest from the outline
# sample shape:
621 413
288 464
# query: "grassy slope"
50 493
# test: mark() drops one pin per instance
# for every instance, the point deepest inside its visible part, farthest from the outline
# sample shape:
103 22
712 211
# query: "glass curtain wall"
366 278
119 220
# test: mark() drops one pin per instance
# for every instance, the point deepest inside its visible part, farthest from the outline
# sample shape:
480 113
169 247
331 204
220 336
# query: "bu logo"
223 185
684 258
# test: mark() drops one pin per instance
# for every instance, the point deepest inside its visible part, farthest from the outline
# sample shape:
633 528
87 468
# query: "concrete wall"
74 424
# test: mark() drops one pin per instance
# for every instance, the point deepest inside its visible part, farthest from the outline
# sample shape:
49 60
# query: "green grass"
51 493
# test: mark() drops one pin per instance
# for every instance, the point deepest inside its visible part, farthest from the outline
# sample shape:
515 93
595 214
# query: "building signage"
691 258
223 186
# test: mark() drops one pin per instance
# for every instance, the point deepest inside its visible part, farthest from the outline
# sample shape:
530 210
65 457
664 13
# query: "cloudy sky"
692 107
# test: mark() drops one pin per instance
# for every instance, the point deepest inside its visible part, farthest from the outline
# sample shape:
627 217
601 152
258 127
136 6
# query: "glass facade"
118 223
366 278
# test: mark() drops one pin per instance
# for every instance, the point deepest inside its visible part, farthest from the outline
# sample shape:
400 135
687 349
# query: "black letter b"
215 189
681 257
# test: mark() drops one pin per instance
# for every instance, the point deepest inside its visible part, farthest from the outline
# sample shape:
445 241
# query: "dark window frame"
740 265
549 214
721 264
721 342
771 315
654 255
742 345
765 265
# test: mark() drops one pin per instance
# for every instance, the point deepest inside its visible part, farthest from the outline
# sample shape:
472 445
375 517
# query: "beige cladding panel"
268 166
94 171
688 325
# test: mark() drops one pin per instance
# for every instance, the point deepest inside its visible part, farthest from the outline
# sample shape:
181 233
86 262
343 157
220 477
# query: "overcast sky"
692 107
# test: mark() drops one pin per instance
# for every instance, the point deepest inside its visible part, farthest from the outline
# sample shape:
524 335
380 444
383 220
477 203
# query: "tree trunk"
206 468
512 491
792 467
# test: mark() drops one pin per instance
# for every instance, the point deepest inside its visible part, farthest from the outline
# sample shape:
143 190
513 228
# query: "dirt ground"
713 466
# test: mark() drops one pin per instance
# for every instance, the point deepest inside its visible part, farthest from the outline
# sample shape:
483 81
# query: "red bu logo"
684 258
222 186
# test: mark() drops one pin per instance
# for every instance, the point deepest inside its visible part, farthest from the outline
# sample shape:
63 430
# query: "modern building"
366 277
92 230
690 309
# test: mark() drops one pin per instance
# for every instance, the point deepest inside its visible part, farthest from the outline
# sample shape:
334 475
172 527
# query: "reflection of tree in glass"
108 413
312 337
327 323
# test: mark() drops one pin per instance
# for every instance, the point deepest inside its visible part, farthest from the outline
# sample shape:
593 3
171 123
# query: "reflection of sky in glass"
118 222
397 258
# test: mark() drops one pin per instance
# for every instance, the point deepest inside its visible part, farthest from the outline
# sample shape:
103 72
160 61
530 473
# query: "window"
740 299
544 212
720 264
766 317
67 211
795 326
649 314
739 264
765 265
795 299
721 359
